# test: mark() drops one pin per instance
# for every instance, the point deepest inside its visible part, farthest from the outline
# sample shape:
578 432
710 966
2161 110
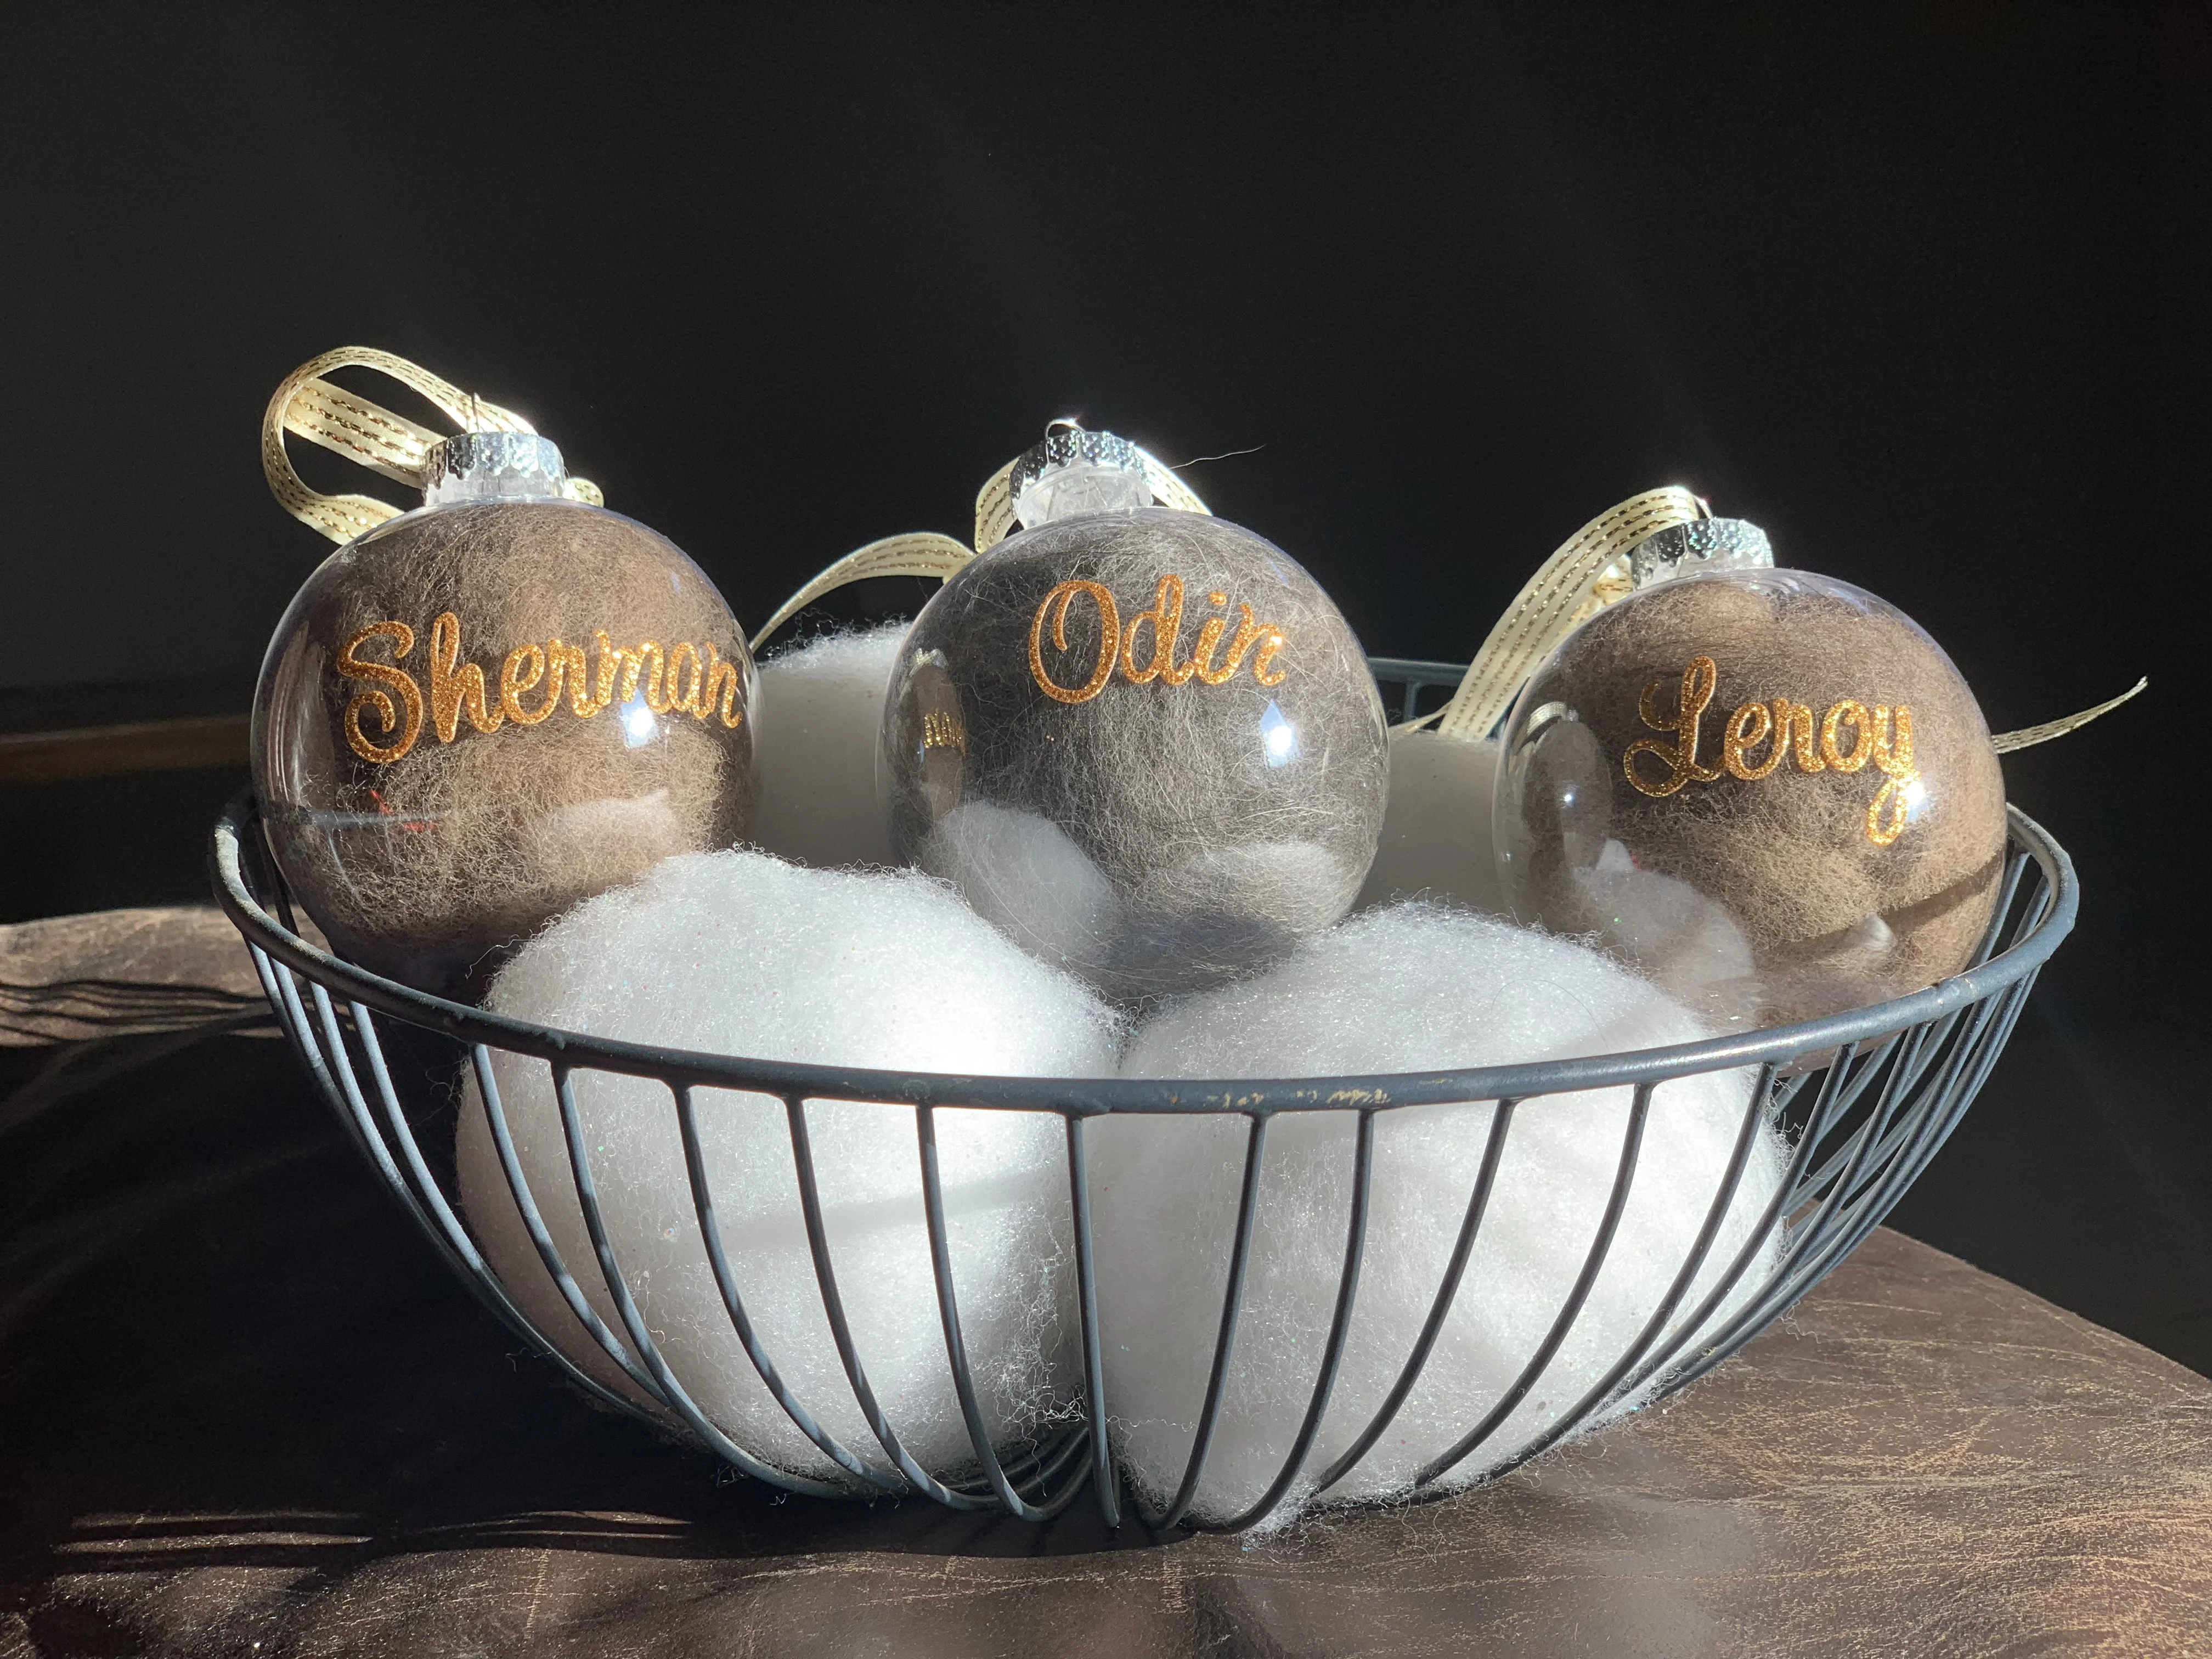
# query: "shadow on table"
222 1343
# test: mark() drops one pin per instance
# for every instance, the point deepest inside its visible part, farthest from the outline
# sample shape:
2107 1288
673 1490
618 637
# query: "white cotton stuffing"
740 953
817 712
1409 988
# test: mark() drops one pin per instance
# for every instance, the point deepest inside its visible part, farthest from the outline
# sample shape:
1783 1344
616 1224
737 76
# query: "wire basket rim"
1101 1097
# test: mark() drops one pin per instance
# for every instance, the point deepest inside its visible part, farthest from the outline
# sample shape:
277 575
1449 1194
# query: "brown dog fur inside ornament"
1769 790
477 715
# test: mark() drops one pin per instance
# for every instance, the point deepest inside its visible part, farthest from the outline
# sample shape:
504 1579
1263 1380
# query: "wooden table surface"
243 1412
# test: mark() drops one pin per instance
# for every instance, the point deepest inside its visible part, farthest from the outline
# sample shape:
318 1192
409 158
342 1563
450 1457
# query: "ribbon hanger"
348 424
1590 572
925 553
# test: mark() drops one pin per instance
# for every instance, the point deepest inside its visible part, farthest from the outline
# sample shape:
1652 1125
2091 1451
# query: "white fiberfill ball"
817 713
1414 988
739 953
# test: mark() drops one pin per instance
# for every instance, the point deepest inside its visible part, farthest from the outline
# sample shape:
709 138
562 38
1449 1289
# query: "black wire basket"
1865 1099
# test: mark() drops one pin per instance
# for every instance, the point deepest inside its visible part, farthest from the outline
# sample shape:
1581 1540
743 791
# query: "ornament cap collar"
483 466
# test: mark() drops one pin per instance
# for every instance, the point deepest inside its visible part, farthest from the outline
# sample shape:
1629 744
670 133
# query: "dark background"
1921 291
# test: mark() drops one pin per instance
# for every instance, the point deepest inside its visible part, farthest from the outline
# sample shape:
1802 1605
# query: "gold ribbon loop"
349 424
925 553
1588 572
922 553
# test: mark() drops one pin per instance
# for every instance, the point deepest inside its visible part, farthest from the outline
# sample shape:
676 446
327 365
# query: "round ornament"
1768 790
1142 741
476 714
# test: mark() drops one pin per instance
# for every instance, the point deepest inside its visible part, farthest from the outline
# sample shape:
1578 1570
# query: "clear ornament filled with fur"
1767 790
1141 741
479 713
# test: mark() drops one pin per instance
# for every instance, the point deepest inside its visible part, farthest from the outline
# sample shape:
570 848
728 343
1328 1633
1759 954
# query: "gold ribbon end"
2028 736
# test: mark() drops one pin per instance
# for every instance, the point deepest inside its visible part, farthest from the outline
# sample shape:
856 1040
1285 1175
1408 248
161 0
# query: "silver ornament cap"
1685 549
1074 472
493 466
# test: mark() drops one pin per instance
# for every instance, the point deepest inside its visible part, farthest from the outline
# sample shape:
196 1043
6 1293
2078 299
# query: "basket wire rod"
340 1089
782 1078
1478 1205
1340 1327
445 1235
1037 1470
1827 1107
269 875
1631 1146
354 1109
1900 1129
1909 1061
956 1348
710 1232
293 1015
1871 1057
1909 1127
1581 1413
1921 1051
458 1248
1993 1049
1847 1198
264 970
1829 1196
489 1291
1074 1446
1787 1286
1816 1250
454 1248
1094 1349
1786 1092
533 1222
841 1330
1022 1463
1224 1340
1934 1129
2016 867
1026 1465
626 1309
1945 1112
358 1113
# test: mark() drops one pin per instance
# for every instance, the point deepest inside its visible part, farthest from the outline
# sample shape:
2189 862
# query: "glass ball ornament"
480 713
1143 742
1768 790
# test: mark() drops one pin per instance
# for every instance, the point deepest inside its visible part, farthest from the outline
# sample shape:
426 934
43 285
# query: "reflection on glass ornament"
1142 741
479 713
1768 790
1436 836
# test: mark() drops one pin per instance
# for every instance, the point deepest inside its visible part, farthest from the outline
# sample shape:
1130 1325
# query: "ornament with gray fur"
1144 744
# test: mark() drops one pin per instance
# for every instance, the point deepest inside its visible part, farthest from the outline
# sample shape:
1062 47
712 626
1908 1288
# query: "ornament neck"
1074 473
1685 549
493 466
